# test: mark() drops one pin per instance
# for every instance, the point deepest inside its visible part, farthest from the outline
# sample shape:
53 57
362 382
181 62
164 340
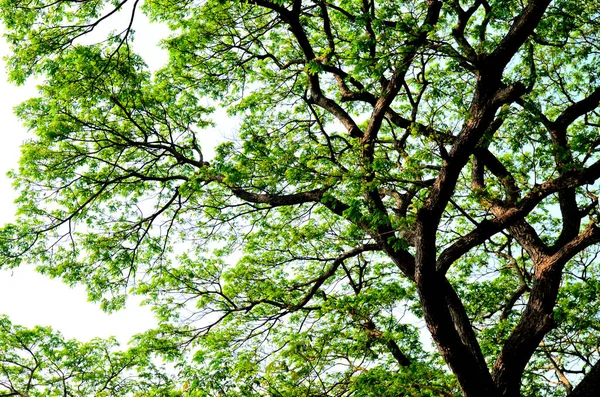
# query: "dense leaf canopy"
41 363
407 205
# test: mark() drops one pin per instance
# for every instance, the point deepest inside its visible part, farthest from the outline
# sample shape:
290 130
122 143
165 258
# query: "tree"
396 163
40 362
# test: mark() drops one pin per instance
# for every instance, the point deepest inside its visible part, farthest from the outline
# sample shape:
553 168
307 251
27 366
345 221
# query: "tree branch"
523 26
537 319
590 384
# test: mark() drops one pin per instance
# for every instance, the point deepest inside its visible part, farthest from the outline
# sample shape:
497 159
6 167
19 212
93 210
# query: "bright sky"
27 297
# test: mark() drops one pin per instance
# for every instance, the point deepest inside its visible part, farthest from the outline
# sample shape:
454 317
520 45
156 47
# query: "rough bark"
590 385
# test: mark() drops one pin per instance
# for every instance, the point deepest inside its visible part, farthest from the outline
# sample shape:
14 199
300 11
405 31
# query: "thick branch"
578 109
521 230
458 32
590 384
292 18
518 33
537 319
488 228
571 221
276 200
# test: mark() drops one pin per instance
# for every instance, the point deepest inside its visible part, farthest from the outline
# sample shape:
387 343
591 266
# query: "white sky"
27 297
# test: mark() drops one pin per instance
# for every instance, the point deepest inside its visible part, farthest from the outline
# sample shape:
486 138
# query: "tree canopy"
39 362
408 205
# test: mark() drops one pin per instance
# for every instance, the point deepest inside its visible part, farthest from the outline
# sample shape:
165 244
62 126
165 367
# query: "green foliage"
396 167
40 362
